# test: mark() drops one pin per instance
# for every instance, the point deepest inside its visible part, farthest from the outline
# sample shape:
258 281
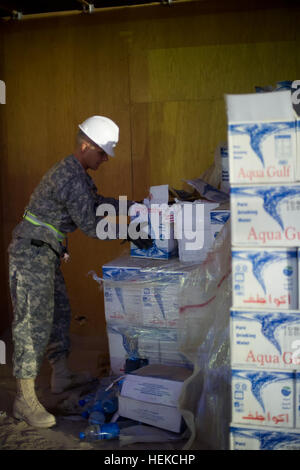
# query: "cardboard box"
121 304
165 246
263 397
265 278
264 339
218 219
265 215
193 230
158 218
151 394
298 147
261 138
143 292
297 399
158 345
253 438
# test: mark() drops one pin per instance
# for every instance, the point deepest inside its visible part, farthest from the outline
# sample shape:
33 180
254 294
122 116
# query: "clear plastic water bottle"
96 417
99 432
106 401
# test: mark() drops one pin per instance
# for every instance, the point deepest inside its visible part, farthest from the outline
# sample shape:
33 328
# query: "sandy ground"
17 435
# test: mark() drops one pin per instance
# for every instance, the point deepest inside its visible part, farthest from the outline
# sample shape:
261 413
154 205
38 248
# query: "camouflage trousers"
41 308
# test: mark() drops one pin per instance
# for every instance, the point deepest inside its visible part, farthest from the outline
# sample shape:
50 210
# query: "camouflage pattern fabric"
32 278
66 198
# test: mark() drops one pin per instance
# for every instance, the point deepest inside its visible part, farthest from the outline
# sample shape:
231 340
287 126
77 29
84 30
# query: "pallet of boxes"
264 164
142 305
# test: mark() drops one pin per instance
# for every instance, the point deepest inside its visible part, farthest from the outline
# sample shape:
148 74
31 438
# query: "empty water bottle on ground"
99 432
106 400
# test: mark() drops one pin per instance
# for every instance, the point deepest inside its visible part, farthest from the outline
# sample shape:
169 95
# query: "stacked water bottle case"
265 316
142 312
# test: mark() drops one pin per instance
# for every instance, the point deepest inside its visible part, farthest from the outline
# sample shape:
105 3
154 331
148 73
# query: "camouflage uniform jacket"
66 198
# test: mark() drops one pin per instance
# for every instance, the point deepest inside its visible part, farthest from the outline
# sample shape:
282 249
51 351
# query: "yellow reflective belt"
35 221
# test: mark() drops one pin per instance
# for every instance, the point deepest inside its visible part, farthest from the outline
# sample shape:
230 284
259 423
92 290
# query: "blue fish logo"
259 132
272 198
269 321
260 261
259 380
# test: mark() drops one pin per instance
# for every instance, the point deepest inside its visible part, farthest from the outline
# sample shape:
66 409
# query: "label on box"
262 152
263 397
265 278
251 438
161 416
265 339
265 215
152 390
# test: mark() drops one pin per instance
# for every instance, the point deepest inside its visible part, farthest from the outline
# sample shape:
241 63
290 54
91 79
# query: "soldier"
64 200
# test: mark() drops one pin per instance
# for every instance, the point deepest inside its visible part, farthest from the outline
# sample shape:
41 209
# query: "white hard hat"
103 131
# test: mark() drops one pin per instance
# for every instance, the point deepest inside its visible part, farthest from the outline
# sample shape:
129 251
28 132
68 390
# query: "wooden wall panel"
57 76
178 141
5 316
160 73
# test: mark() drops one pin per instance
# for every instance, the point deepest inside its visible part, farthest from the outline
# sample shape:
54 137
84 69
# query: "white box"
193 229
263 397
121 304
161 416
218 219
265 278
265 215
261 138
158 345
298 147
117 351
264 339
151 394
158 218
143 292
297 399
164 246
161 346
251 438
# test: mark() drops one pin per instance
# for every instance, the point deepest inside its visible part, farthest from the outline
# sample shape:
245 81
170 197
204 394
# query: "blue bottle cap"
81 435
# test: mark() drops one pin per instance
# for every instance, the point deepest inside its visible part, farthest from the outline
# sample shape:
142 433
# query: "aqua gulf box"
245 437
265 338
265 215
265 278
263 397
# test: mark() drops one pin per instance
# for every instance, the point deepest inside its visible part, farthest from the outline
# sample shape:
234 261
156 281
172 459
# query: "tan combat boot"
27 407
63 379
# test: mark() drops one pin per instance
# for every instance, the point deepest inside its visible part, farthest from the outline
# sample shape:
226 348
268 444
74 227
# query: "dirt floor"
17 435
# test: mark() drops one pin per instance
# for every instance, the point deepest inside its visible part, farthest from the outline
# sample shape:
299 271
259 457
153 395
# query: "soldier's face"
94 157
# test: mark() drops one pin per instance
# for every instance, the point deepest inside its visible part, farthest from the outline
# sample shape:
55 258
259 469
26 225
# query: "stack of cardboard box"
142 289
264 162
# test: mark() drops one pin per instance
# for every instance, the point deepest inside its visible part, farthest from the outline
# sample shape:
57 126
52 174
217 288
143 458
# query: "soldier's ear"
84 146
